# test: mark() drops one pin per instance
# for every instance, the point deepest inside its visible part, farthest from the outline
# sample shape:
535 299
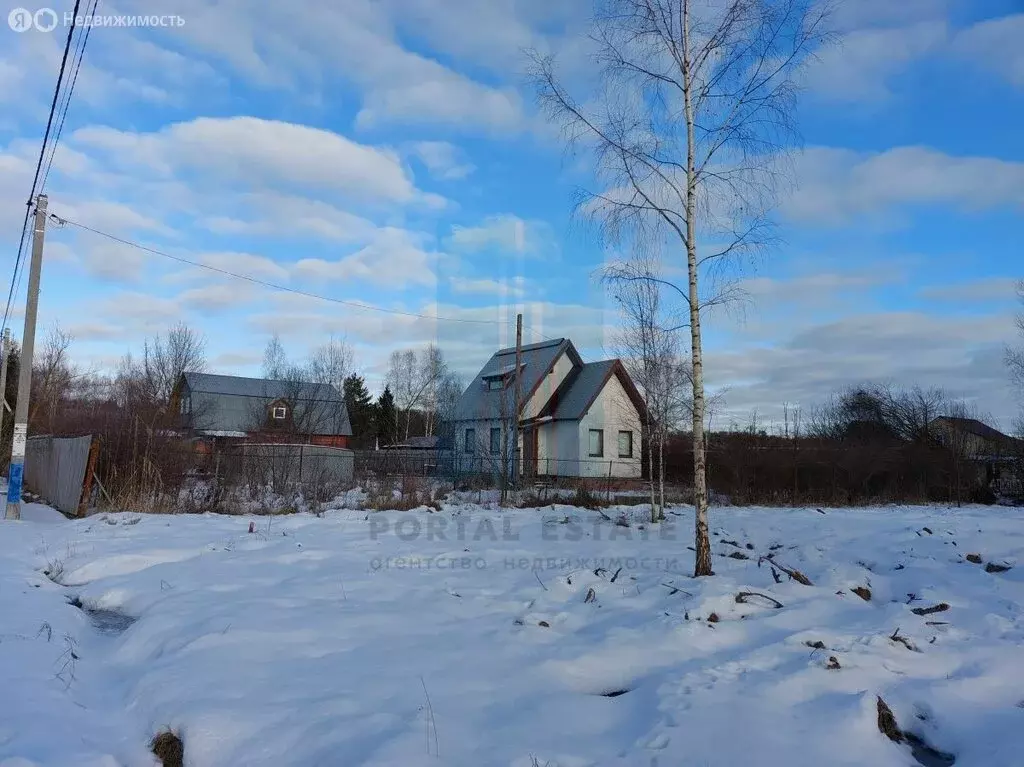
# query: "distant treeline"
869 444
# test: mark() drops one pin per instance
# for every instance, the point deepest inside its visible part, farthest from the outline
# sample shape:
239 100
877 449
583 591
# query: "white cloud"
997 44
864 13
766 305
215 298
505 233
230 362
395 258
961 354
60 253
142 308
448 99
308 46
279 215
860 66
113 261
442 159
515 287
118 69
250 150
96 331
840 186
987 290
113 217
247 264
501 29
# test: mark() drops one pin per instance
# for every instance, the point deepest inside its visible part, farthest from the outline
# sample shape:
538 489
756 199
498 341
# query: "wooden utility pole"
516 456
16 474
4 407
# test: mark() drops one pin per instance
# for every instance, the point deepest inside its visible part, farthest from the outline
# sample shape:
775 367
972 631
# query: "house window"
495 440
494 384
470 444
596 443
278 412
625 444
186 405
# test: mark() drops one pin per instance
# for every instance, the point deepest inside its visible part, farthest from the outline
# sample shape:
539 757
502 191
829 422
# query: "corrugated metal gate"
60 470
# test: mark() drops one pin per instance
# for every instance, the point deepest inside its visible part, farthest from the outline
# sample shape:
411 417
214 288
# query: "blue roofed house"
576 419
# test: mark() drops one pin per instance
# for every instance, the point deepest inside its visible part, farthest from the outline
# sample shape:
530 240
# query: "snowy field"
485 637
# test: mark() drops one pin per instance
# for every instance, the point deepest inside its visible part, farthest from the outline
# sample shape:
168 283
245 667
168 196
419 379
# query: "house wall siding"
481 458
562 367
558 449
611 411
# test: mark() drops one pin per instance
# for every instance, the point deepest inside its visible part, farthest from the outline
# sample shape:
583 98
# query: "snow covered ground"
485 637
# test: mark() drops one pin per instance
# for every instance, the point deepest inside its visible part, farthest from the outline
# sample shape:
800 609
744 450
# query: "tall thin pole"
517 456
3 377
28 341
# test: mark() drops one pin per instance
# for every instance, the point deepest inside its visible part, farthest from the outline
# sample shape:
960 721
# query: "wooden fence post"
90 472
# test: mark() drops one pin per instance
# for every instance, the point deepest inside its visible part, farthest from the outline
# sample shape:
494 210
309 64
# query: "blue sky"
387 152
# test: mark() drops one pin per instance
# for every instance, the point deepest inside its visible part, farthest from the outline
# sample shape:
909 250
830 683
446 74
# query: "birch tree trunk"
702 541
650 468
661 474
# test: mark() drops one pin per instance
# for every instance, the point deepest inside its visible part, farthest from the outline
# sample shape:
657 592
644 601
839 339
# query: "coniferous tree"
387 418
361 409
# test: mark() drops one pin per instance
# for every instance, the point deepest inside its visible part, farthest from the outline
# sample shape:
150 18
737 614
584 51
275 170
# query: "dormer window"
500 379
279 412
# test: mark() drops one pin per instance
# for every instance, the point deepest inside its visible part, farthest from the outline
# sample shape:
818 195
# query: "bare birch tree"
651 354
413 379
330 363
53 378
1015 355
689 131
166 357
275 359
1015 361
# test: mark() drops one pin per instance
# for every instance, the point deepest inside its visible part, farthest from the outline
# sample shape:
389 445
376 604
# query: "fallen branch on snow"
897 637
676 590
744 598
796 575
539 580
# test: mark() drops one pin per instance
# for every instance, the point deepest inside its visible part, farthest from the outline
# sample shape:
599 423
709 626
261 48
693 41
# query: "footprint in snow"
658 742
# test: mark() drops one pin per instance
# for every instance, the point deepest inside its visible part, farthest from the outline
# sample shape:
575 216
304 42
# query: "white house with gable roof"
576 419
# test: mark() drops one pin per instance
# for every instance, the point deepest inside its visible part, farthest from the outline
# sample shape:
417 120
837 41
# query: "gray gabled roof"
582 388
234 403
573 398
479 403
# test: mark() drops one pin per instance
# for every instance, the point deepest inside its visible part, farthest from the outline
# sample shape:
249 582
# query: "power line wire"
39 162
83 40
275 286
